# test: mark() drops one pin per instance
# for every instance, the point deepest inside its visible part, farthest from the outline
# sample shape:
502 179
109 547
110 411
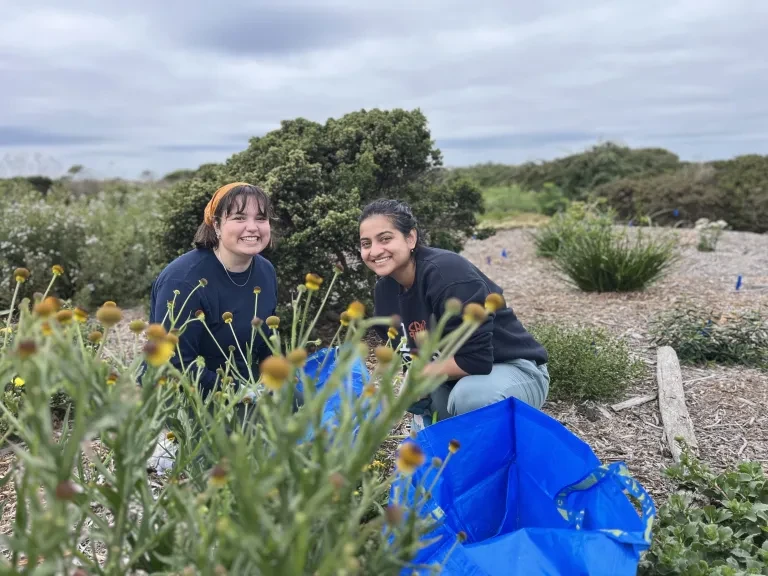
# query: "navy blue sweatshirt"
218 296
440 275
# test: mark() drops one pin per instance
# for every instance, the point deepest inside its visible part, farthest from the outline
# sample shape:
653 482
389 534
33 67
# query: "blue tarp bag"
320 366
531 497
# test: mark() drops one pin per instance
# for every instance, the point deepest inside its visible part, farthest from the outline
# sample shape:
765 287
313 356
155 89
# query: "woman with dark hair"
501 359
227 260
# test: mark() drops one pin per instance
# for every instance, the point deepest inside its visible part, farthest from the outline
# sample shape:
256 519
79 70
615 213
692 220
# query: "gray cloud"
126 86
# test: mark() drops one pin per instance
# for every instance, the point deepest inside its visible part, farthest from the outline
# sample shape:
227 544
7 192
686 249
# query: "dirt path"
729 406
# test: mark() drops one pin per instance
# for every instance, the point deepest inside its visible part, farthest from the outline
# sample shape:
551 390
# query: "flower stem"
319 310
10 314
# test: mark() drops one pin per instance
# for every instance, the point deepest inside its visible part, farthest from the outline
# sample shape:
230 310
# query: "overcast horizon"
131 86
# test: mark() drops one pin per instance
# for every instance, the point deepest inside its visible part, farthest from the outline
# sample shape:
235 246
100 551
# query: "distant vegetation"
639 184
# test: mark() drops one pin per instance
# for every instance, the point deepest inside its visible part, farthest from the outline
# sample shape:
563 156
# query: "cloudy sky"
123 86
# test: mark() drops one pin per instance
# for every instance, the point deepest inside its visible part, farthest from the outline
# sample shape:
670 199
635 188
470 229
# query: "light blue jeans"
521 379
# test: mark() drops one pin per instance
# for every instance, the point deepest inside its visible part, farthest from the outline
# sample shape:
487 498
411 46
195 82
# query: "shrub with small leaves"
699 336
709 233
586 363
714 525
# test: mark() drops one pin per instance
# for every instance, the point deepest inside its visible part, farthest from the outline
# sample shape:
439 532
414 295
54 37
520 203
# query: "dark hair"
233 202
398 212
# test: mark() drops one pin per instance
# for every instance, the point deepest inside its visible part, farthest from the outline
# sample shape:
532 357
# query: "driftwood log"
674 413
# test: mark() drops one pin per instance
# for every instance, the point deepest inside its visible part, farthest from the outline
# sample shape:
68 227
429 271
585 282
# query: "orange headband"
210 209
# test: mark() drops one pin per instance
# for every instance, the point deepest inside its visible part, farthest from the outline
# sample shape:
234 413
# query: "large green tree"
319 176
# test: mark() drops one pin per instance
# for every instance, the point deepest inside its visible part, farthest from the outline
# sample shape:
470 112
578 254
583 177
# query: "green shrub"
715 524
319 176
709 234
578 174
586 363
106 244
252 487
602 259
700 336
734 190
563 226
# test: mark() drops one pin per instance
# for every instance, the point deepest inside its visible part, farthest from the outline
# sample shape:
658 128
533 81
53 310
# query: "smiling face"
244 231
383 248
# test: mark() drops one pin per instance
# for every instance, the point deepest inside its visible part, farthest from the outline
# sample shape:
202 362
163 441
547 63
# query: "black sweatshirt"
440 275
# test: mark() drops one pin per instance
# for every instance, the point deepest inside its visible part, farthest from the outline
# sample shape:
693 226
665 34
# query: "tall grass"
601 259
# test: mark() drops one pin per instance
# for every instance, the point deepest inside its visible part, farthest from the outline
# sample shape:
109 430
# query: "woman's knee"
472 392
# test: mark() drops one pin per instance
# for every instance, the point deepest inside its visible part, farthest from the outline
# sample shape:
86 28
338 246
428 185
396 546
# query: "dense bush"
251 487
586 363
577 174
714 525
733 190
319 176
602 259
106 243
699 336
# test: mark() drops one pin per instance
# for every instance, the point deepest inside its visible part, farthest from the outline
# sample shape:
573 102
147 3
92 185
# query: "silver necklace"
250 269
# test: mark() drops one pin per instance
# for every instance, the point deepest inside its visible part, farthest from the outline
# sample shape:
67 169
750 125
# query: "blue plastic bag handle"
619 473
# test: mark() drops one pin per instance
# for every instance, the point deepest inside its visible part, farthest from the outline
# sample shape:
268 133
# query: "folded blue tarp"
530 496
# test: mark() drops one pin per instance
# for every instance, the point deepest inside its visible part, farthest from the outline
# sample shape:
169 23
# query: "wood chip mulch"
728 405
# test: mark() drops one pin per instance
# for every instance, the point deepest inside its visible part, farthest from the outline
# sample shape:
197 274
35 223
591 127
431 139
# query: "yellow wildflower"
494 302
111 379
227 317
409 457
158 352
392 333
273 322
297 357
345 319
356 310
155 332
257 289
312 282
453 306
46 328
57 270
474 312
453 446
18 382
80 315
95 337
274 371
109 315
137 326
21 275
44 309
384 354
64 317
219 474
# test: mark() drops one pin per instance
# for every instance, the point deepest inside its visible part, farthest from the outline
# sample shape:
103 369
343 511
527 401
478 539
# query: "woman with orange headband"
227 258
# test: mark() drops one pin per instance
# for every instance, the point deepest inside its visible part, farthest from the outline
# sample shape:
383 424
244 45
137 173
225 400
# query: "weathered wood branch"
674 413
